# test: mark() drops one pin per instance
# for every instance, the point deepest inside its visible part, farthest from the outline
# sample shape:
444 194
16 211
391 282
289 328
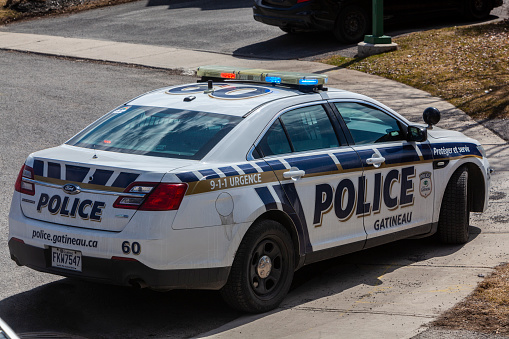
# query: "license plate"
67 259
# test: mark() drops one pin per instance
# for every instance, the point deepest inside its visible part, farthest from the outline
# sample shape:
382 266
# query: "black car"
350 20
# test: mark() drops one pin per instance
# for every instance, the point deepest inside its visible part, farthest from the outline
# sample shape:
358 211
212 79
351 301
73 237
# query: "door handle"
375 160
294 173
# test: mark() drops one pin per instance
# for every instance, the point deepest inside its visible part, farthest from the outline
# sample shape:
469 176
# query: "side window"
303 129
309 128
275 141
369 125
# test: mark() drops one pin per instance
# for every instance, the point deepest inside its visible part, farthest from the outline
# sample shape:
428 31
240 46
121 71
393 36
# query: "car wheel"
262 270
351 25
478 9
454 213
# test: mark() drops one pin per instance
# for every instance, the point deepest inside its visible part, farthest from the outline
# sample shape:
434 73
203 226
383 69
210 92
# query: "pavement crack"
338 310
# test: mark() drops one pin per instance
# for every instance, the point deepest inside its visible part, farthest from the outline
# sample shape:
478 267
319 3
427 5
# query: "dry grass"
486 309
467 66
8 15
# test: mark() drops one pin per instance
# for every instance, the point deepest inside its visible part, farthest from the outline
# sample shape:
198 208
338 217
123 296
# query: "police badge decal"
425 185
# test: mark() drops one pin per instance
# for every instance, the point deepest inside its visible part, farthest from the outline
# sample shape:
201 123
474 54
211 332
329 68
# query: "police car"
236 181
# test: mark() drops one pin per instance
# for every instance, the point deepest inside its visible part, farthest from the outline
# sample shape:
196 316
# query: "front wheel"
351 25
478 9
262 270
454 213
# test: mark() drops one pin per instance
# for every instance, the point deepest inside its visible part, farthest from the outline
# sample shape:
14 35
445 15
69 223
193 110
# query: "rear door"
396 196
318 173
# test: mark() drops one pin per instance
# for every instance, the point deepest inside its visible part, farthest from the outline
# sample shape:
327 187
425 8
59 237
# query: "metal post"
378 36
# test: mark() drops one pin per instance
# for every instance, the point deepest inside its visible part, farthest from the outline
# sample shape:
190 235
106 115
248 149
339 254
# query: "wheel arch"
475 179
285 220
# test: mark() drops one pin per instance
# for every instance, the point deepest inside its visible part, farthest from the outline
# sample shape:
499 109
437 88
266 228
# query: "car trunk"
82 194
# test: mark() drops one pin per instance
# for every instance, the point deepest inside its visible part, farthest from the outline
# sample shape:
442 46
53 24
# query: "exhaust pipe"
138 283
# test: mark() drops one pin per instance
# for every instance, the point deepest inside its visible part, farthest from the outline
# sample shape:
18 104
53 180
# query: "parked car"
350 20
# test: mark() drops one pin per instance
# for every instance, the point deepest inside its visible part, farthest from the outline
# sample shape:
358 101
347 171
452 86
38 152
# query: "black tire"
351 25
478 9
454 213
249 288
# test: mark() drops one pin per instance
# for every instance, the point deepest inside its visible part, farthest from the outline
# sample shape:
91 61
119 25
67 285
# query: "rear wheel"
262 270
478 9
351 25
454 213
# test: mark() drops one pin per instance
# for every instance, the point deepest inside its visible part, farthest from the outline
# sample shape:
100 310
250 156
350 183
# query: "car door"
397 191
318 173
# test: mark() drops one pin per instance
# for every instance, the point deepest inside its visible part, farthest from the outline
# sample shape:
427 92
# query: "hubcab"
264 267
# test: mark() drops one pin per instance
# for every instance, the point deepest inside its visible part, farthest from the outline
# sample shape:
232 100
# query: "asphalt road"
44 101
225 26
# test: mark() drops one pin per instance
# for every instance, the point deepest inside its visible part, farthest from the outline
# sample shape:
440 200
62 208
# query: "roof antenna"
95 154
210 87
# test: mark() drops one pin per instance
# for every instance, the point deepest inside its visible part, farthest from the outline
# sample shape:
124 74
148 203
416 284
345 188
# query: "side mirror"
417 133
431 116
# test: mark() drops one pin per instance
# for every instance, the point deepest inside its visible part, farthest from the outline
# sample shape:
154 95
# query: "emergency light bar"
261 75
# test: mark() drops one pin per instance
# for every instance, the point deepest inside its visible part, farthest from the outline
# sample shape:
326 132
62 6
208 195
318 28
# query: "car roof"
231 98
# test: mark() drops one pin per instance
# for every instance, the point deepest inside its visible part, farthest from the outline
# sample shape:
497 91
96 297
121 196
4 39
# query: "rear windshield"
157 131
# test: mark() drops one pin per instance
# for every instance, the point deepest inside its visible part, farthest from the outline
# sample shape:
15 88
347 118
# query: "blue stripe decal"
276 165
314 164
297 218
247 168
228 171
125 179
187 177
76 173
263 165
101 177
454 149
349 160
53 170
365 154
425 151
267 198
209 174
399 155
38 167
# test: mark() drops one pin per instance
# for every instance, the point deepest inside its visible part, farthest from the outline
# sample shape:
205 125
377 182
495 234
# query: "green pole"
378 36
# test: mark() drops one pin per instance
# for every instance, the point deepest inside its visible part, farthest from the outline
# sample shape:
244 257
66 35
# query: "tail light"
23 186
152 196
299 1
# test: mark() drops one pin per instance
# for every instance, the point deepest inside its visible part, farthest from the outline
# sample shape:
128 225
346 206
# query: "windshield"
157 131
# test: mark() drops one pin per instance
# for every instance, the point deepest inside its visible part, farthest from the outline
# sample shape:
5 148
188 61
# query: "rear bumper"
301 16
121 272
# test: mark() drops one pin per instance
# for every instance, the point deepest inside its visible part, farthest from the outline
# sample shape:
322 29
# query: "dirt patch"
486 310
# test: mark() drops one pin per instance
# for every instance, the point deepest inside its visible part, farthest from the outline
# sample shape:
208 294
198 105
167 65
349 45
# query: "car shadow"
204 5
319 45
102 311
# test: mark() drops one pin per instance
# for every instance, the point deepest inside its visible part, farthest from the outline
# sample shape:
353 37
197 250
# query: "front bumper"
121 272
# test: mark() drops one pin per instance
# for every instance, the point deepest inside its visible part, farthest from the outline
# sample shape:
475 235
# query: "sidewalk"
406 100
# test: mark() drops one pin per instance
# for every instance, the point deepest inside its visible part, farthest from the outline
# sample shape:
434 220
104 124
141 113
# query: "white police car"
235 182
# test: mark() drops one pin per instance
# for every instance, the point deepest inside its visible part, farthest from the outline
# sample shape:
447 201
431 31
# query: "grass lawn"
467 66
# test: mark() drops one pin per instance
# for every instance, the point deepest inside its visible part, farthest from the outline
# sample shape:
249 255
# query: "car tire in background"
478 9
454 213
351 24
262 270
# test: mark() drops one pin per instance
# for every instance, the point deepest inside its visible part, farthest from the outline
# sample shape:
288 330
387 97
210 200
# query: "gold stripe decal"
80 184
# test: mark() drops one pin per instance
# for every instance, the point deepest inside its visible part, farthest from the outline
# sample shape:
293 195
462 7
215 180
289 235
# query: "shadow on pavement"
316 45
205 5
103 311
